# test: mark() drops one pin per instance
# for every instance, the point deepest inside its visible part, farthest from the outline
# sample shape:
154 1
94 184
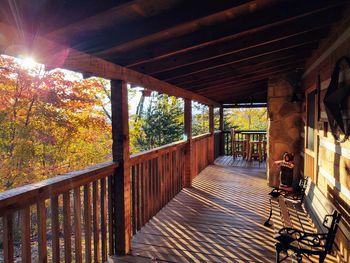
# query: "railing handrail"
239 131
156 151
201 136
22 196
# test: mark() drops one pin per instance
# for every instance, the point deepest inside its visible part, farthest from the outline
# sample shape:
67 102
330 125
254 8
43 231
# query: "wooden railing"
217 144
72 217
62 216
157 176
227 150
200 153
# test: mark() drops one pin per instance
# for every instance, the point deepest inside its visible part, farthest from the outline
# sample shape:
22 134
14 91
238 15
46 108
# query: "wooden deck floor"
239 162
220 219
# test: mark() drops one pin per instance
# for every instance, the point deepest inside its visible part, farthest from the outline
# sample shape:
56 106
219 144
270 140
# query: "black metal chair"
297 195
301 243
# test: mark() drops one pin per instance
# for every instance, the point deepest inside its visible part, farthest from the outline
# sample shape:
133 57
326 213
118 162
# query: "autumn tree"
245 118
50 123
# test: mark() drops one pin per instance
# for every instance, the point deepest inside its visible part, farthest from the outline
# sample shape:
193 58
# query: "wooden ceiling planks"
214 48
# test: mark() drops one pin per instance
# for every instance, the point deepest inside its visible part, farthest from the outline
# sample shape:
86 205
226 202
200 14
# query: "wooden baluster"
152 199
145 194
178 167
67 228
96 236
139 199
25 235
164 177
55 229
160 175
87 222
174 173
41 214
142 193
155 197
156 171
148 190
171 175
77 225
134 199
8 238
111 214
103 219
228 144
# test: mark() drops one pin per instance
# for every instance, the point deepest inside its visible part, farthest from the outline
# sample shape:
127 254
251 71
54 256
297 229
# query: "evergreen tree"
161 123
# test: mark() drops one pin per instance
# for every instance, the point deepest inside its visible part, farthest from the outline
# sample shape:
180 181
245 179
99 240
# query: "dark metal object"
293 196
336 103
305 243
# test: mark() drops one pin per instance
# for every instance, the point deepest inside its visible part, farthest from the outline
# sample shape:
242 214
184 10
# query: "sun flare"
29 63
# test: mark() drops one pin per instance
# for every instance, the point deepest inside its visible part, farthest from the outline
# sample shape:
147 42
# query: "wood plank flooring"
239 162
219 219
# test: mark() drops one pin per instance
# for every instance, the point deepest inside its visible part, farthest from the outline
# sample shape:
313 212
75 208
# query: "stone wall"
284 126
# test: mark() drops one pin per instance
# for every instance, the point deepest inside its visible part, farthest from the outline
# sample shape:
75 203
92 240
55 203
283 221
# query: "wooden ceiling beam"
247 67
189 27
252 72
130 11
245 80
226 72
255 41
54 55
257 97
263 49
176 47
248 88
298 47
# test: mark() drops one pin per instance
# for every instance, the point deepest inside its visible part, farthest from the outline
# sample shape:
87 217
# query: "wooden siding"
331 174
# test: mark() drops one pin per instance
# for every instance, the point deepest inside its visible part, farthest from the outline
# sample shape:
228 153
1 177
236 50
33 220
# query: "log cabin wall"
326 161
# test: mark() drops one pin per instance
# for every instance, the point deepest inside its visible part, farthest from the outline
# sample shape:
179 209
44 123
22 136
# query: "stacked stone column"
284 126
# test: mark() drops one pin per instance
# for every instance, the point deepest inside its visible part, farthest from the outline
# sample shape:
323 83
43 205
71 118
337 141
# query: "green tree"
200 119
161 123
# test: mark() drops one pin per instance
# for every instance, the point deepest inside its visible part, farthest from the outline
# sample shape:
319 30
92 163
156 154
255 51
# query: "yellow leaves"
50 123
246 118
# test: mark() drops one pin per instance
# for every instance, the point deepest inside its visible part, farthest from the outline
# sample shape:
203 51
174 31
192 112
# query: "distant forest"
53 122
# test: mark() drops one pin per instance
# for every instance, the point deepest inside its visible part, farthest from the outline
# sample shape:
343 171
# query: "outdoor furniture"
264 149
296 243
297 196
239 145
256 148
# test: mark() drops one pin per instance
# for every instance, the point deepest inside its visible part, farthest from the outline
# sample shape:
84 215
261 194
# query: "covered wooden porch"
219 219
174 203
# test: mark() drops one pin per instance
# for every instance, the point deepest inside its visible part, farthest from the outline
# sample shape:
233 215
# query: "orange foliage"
50 123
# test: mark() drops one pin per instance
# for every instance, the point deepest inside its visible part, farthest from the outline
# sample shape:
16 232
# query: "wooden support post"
121 189
211 138
188 134
221 128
